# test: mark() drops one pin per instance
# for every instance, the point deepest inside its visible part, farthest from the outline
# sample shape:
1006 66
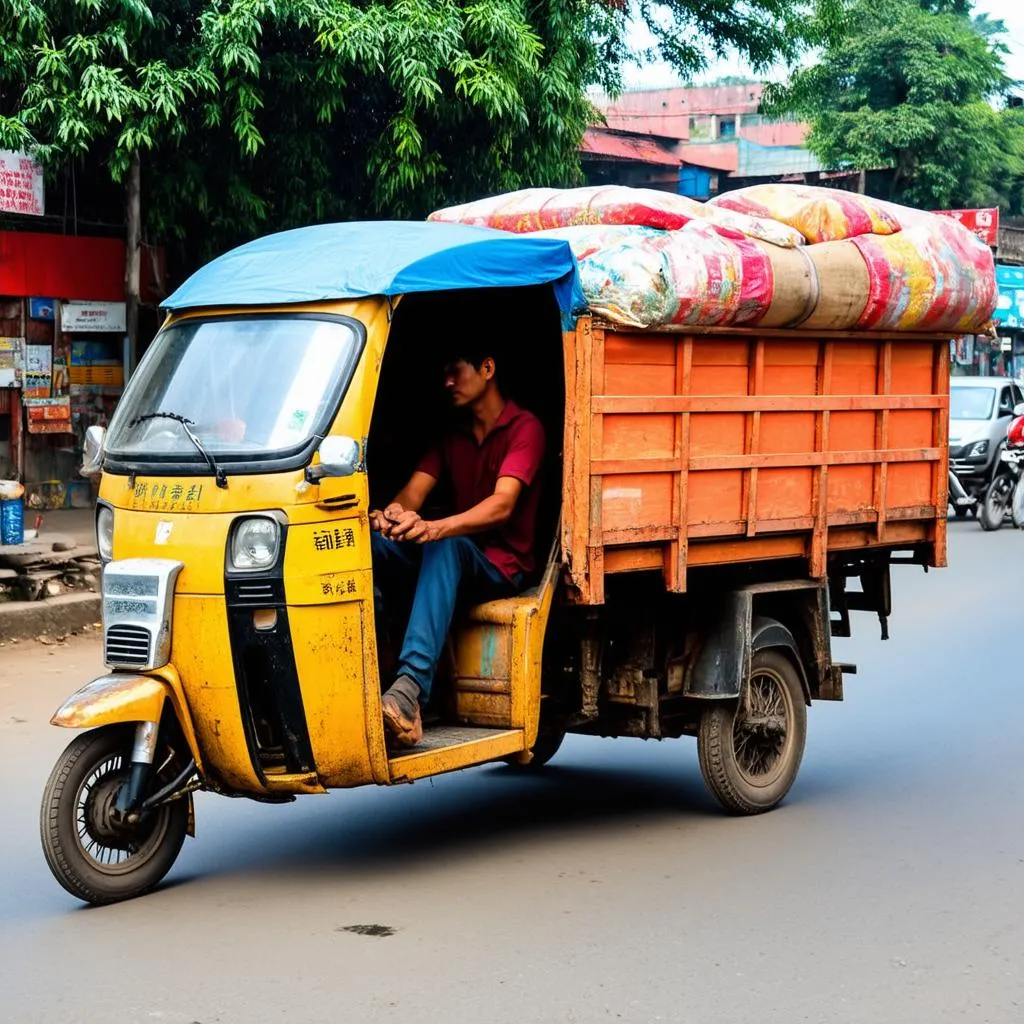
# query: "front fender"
128 697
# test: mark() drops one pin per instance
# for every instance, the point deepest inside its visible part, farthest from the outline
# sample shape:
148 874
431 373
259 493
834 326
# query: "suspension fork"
129 798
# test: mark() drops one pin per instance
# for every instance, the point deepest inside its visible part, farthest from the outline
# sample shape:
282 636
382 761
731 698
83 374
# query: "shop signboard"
983 223
1010 302
49 415
38 371
21 184
41 309
92 317
10 362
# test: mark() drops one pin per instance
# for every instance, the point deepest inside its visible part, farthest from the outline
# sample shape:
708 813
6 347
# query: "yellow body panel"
328 641
329 604
422 764
201 653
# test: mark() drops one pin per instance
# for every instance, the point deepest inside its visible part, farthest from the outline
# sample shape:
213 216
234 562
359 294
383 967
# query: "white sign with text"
21 184
92 317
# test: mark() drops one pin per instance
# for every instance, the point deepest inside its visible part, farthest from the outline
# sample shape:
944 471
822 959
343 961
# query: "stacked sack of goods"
767 256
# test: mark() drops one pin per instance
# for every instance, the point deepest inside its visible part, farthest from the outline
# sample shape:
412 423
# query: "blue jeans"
444 571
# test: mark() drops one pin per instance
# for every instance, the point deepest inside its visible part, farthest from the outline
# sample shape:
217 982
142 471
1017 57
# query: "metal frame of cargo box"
594 548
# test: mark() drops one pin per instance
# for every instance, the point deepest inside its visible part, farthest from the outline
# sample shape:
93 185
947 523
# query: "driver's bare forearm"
409 499
412 496
493 511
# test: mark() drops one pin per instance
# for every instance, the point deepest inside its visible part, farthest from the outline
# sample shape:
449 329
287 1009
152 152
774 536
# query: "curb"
56 616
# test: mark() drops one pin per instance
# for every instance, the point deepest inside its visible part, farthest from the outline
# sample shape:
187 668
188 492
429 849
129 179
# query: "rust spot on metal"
111 698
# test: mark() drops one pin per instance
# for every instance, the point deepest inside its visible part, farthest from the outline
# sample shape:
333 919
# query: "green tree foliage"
915 87
249 115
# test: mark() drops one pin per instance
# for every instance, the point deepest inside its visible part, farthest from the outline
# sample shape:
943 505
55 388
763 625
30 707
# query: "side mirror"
92 459
1018 409
339 456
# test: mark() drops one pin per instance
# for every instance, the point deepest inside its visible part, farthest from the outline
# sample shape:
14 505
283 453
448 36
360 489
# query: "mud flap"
723 664
190 828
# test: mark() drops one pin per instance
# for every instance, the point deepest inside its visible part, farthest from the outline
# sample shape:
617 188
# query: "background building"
698 142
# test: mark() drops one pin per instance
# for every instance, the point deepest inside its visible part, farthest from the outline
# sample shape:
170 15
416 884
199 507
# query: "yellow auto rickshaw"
238 601
292 388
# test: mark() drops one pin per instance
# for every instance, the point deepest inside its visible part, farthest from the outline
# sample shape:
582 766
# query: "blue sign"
41 309
1010 304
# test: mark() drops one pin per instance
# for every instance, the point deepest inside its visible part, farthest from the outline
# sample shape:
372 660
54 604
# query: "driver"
482 552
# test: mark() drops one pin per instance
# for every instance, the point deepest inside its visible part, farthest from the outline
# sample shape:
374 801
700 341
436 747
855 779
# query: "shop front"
62 357
1009 320
1000 354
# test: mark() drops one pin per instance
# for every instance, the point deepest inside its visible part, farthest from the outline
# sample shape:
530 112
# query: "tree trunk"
862 182
133 262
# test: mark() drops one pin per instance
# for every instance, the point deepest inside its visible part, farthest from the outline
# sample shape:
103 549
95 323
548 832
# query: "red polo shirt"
514 447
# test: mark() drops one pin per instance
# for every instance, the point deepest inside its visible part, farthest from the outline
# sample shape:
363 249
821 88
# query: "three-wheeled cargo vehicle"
709 496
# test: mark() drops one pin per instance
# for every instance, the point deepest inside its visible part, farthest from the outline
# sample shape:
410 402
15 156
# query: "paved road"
888 888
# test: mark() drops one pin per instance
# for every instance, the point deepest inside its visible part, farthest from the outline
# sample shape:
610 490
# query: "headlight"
255 543
976 450
105 533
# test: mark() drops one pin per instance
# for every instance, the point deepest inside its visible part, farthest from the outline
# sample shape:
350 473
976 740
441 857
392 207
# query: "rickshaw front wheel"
91 851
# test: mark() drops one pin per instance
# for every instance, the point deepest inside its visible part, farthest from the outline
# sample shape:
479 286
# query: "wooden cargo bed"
712 446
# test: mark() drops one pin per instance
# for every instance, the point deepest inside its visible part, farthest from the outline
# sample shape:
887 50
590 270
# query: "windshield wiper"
186 425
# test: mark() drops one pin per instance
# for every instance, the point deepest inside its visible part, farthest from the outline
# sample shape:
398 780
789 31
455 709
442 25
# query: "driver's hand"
422 532
401 524
377 521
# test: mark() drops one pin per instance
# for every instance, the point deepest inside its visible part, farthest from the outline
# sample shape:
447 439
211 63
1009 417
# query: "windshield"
247 386
971 403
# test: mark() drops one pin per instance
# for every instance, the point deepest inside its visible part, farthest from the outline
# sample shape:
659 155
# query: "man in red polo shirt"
483 551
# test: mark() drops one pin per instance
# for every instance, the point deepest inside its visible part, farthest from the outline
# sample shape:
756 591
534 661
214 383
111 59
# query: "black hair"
471 350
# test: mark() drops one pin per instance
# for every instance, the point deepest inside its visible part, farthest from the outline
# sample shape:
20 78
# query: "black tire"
1017 504
731 749
960 512
544 749
996 503
94 764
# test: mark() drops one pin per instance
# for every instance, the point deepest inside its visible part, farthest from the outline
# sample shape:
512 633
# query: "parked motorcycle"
1005 494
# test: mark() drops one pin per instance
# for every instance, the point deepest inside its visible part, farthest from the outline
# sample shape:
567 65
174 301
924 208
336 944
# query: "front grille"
258 593
128 645
255 591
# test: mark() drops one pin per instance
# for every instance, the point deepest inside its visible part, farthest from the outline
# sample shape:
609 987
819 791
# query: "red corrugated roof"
627 146
719 156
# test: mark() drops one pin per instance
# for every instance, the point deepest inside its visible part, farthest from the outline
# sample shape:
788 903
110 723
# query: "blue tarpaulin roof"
363 258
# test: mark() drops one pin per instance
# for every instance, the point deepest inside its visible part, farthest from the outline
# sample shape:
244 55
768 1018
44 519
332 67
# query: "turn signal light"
264 618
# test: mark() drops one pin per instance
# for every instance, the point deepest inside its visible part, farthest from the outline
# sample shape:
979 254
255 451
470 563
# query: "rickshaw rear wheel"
750 750
92 853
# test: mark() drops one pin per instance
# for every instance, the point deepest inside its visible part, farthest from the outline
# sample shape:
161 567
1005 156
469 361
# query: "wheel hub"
103 821
761 727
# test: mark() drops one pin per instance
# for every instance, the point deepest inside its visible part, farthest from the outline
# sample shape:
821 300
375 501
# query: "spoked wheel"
996 503
91 851
750 750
